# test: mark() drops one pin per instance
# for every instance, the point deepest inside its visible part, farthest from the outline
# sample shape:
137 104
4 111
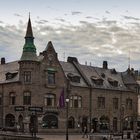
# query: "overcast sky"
92 30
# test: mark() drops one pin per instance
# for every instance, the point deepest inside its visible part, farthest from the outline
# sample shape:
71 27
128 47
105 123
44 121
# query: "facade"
33 89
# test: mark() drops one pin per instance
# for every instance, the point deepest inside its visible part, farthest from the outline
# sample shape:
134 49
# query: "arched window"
76 101
12 98
49 100
9 120
27 98
71 122
50 121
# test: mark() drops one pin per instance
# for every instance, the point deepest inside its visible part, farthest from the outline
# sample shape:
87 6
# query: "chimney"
2 60
72 59
105 65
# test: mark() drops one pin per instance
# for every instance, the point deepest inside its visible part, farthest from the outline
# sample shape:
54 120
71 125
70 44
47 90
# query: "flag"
62 99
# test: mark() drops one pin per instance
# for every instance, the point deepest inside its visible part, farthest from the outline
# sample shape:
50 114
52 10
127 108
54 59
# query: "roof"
129 78
105 74
12 67
68 69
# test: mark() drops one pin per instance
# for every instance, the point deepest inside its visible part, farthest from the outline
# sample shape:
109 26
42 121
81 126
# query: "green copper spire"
29 49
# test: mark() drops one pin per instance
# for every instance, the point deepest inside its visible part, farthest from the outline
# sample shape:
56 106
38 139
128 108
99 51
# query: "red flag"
62 99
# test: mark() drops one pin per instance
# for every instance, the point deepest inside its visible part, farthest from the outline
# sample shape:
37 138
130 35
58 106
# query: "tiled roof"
69 68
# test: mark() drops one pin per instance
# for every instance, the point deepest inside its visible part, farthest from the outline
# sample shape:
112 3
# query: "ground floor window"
104 123
128 123
50 121
9 120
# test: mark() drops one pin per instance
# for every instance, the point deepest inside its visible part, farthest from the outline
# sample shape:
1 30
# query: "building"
31 89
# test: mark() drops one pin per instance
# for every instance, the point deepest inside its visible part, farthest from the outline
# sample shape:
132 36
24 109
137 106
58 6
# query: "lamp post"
67 111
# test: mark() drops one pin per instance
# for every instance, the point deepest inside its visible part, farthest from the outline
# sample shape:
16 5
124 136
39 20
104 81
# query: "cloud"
18 15
60 19
92 42
76 12
107 12
41 21
131 18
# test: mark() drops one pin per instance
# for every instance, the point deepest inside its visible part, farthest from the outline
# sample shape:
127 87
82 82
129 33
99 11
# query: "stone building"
34 86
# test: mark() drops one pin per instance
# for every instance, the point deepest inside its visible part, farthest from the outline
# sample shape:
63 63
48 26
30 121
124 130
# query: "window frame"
101 102
27 77
12 98
27 98
51 98
75 101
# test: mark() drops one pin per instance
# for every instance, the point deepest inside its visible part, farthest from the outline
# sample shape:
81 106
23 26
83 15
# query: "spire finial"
29 32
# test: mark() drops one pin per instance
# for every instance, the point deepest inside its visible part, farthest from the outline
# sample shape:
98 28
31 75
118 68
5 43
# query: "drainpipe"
90 107
2 105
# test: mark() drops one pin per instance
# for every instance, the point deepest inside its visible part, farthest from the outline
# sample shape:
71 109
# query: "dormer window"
74 78
103 75
113 71
97 80
113 82
10 75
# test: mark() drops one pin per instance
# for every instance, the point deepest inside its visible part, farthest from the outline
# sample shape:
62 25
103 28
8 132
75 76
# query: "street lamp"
67 111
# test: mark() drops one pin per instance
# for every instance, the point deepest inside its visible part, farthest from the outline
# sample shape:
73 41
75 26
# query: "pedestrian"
85 132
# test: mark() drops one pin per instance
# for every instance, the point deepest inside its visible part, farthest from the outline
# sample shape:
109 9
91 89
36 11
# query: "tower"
28 64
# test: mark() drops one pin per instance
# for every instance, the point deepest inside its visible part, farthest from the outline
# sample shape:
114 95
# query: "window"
76 101
0 99
50 121
73 77
115 103
129 103
27 77
101 102
51 78
97 80
49 100
12 98
113 82
27 98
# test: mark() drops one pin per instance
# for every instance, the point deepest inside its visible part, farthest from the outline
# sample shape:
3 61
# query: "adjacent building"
37 86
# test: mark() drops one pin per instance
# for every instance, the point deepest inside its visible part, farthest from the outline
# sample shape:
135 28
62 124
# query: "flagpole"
67 111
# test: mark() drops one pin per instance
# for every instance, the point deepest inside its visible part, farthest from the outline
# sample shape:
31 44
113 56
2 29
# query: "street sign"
36 109
19 108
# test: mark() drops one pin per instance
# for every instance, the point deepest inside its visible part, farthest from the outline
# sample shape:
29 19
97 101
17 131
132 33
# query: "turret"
29 49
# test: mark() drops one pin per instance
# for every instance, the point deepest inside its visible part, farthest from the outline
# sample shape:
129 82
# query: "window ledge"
51 86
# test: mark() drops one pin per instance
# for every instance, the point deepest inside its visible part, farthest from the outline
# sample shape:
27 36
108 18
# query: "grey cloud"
76 12
130 17
107 12
41 21
60 19
89 17
18 15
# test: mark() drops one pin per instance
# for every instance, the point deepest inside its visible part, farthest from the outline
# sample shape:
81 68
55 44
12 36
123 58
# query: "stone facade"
99 98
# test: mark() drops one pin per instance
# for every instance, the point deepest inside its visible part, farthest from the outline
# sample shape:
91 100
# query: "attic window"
113 71
113 82
97 80
73 77
103 75
10 75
